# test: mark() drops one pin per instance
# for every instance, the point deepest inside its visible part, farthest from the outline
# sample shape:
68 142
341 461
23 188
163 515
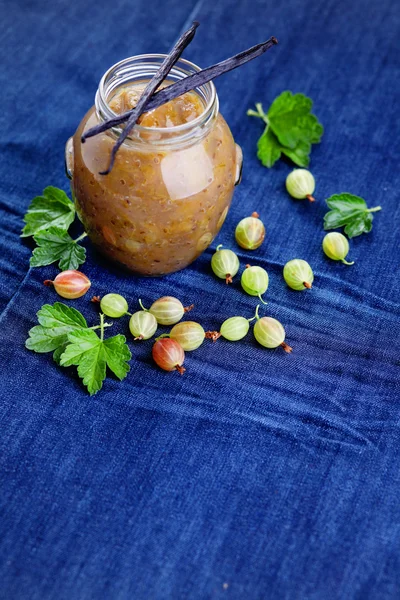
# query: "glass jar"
169 191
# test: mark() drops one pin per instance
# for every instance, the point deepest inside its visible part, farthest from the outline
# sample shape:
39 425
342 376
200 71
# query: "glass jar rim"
102 95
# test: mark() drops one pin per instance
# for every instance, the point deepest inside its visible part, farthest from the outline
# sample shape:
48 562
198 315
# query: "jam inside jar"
169 191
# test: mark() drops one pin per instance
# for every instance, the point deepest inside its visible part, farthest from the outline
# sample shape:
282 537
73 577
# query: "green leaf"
269 150
117 354
284 117
42 339
56 321
346 202
359 225
291 129
59 351
63 330
92 355
61 315
350 212
309 129
85 350
300 154
334 219
52 209
55 244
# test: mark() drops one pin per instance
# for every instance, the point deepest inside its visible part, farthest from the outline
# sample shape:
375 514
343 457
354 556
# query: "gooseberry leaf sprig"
350 212
55 323
47 220
290 129
55 244
64 331
93 354
52 209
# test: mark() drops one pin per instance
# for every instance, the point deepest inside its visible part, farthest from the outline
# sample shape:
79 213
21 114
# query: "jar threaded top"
141 68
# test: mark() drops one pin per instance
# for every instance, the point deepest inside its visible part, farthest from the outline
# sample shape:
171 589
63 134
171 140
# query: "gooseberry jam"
169 191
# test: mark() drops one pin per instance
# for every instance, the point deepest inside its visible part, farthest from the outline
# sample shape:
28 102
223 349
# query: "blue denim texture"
257 475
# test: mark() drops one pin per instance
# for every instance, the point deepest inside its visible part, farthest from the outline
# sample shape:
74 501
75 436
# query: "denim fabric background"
256 475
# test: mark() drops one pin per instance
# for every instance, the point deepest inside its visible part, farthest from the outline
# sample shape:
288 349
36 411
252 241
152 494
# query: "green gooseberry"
298 274
114 305
301 184
232 329
336 247
270 333
167 310
142 325
189 334
255 281
250 232
225 264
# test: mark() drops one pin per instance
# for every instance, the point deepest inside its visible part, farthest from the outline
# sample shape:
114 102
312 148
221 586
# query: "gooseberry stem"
141 306
263 301
374 209
347 263
218 247
212 335
163 335
286 348
98 326
256 316
81 237
258 113
310 198
101 326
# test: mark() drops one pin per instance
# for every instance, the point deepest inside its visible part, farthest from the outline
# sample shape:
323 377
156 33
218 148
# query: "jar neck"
140 69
